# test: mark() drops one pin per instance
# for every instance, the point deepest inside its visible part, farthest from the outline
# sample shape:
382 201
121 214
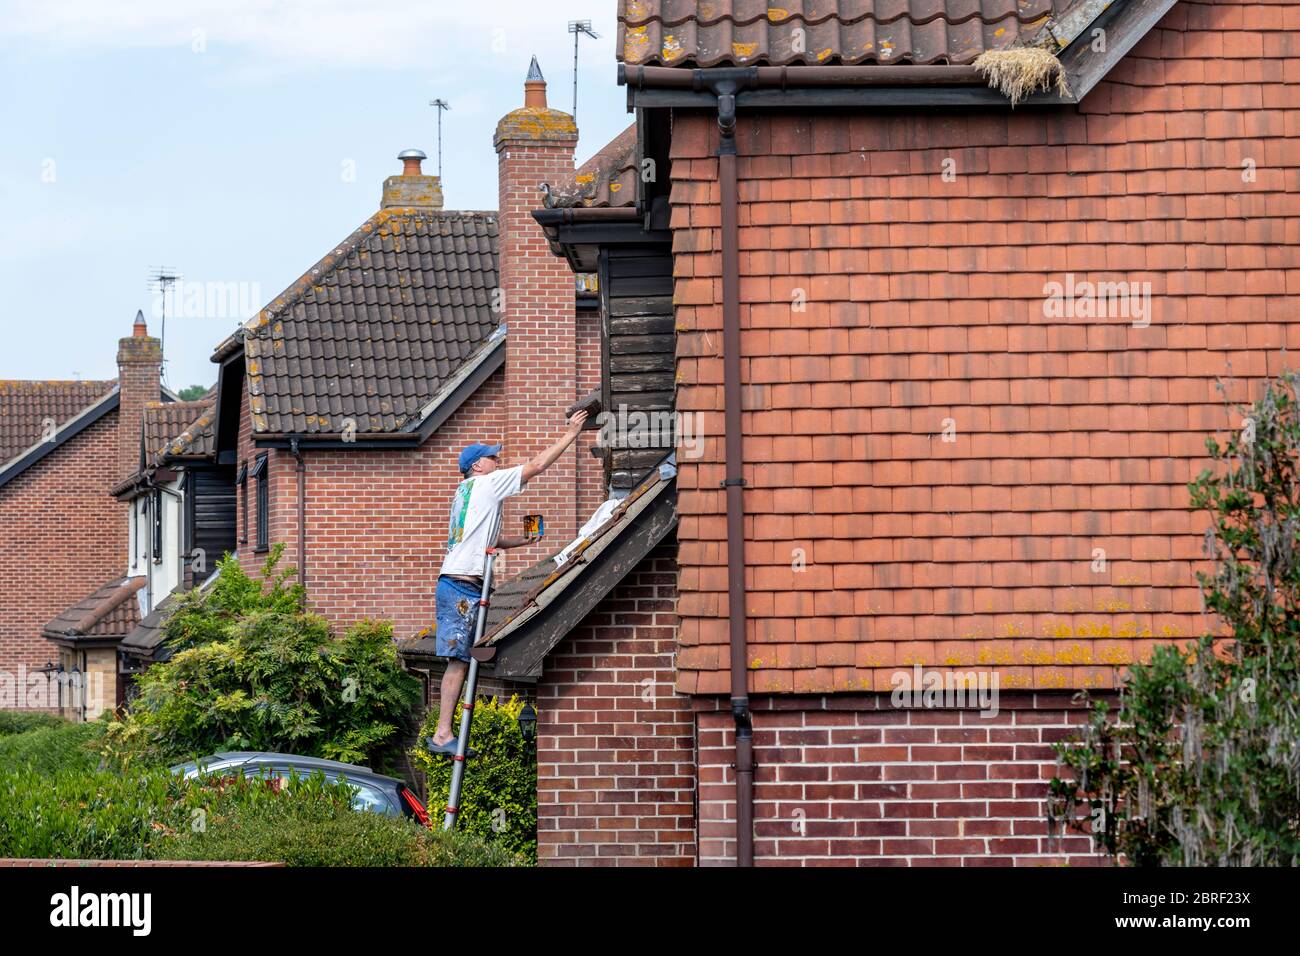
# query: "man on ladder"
474 532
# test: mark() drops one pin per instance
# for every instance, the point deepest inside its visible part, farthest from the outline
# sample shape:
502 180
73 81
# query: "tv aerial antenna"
161 281
440 105
578 28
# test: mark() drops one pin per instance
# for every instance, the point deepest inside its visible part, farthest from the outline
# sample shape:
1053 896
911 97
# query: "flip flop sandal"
448 749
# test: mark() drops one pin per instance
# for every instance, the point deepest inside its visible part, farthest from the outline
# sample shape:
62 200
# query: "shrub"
21 721
253 670
499 797
72 814
303 830
52 747
1202 764
155 815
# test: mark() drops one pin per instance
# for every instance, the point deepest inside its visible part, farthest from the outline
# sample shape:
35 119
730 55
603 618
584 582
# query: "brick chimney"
139 374
534 145
412 188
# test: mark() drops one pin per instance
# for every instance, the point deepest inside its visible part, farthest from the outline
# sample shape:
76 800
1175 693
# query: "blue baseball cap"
472 453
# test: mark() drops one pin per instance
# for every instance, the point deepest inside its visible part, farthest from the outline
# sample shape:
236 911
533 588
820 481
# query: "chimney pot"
411 159
139 330
535 87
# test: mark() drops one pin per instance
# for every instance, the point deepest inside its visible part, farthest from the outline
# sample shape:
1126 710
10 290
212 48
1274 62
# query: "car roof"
244 757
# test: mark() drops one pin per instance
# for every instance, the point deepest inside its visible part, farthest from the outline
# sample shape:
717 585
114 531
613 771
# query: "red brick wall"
64 537
376 520
633 776
139 364
541 338
851 780
872 541
616 761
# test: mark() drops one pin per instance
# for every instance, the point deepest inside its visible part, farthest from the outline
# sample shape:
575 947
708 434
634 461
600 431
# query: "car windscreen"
367 795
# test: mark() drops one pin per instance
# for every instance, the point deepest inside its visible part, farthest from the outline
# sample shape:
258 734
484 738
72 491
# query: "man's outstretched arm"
547 458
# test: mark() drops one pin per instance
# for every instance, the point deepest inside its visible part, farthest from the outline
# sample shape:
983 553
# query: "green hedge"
499 799
21 721
51 747
154 815
71 814
301 832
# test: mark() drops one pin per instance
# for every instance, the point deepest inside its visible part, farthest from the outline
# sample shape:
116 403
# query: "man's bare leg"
453 680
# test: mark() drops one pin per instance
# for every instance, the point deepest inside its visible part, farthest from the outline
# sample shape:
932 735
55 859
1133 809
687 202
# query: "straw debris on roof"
1020 71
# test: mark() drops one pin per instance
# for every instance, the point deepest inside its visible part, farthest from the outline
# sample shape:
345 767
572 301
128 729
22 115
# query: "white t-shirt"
476 519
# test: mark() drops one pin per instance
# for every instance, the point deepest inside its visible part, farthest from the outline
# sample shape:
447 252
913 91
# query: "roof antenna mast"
577 28
161 280
441 105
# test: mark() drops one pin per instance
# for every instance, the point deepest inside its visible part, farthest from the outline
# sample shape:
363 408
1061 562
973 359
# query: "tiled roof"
607 179
26 407
372 332
179 430
111 611
532 590
759 32
146 638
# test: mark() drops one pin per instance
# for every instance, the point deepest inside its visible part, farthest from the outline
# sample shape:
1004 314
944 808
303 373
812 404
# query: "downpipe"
296 449
734 482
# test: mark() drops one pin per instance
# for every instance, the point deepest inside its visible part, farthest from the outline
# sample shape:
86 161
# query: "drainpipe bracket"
726 482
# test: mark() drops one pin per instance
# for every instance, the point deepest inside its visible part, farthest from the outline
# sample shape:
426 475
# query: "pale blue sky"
217 137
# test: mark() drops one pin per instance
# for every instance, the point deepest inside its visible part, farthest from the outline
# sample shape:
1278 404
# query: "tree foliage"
1201 765
252 669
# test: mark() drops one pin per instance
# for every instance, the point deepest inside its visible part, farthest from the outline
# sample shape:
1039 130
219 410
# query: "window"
263 504
241 482
156 504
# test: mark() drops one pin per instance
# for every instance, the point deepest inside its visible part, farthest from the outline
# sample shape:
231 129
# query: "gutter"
815 87
566 215
795 77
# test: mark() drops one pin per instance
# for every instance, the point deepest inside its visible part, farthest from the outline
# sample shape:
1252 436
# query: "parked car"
375 792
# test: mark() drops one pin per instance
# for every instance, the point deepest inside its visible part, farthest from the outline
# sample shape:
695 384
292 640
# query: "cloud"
304 34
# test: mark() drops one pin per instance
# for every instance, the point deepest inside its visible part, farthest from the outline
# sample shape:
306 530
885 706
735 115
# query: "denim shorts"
456 614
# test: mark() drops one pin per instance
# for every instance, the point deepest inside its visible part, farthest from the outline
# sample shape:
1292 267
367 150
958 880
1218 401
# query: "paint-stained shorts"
457 609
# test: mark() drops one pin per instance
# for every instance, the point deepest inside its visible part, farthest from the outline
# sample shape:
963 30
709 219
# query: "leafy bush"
253 670
499 798
50 747
72 814
155 815
21 721
1202 764
317 832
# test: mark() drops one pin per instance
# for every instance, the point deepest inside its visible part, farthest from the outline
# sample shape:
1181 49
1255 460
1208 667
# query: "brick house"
342 405
865 288
63 446
181 502
973 361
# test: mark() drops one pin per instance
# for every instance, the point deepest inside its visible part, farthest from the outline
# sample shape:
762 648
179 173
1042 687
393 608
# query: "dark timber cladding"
210 523
636 283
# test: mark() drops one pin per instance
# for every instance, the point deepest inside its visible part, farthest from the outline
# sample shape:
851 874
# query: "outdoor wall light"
527 721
